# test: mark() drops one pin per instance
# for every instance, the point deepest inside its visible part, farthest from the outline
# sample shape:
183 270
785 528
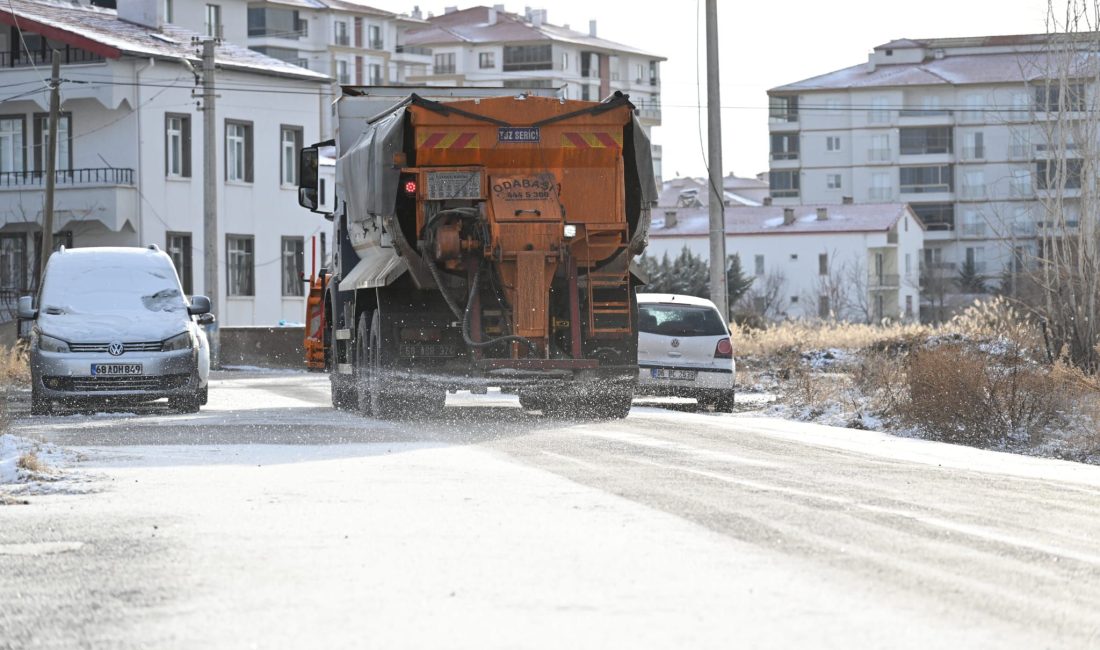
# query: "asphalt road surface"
271 521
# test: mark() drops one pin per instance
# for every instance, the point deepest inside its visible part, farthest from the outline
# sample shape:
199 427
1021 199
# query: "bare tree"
767 296
830 290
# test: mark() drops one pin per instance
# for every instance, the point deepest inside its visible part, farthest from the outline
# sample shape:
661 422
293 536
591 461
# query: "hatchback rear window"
680 320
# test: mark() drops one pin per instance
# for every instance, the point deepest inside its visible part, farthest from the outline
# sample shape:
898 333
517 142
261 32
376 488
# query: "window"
794 257
342 75
974 145
240 266
935 178
1021 182
238 151
880 111
168 13
1021 145
880 148
13 262
1053 97
214 21
374 37
782 109
908 263
586 94
486 60
374 74
784 146
639 73
784 183
444 63
613 64
177 145
832 181
42 141
909 306
527 57
758 262
179 249
881 189
925 140
823 264
290 143
832 143
975 109
823 308
277 22
976 255
12 154
794 299
973 184
340 33
1048 176
293 266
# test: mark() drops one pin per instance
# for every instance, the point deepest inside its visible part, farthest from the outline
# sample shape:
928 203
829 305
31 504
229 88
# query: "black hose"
447 298
500 339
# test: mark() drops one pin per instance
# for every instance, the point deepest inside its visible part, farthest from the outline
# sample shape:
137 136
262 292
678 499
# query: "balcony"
973 230
938 188
880 116
412 50
649 110
86 177
69 55
883 281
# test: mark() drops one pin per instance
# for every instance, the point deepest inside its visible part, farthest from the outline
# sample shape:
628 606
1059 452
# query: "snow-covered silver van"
112 325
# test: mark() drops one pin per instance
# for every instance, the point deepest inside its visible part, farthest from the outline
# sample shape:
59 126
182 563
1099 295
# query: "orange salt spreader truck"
482 239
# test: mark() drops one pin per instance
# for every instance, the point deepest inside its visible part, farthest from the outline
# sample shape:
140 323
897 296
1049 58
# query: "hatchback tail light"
724 349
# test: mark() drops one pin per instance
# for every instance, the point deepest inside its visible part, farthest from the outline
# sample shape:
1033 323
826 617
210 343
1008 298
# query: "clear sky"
763 44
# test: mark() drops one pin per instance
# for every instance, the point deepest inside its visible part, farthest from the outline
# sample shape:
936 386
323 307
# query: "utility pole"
51 167
718 293
210 194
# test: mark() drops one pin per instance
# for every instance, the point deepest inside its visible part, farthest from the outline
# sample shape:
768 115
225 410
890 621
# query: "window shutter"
167 145
248 154
186 146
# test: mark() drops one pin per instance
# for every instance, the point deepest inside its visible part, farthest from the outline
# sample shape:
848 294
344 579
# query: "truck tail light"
408 185
724 349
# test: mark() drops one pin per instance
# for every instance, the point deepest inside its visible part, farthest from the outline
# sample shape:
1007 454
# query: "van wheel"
188 404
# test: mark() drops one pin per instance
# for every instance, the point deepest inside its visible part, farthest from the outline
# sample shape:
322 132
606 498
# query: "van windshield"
680 320
111 288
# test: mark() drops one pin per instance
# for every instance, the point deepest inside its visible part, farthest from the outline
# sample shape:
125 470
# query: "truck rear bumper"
513 379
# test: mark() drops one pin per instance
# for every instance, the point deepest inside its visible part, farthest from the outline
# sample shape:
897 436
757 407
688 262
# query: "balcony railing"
85 176
411 49
884 281
69 55
881 193
925 189
923 112
972 192
878 155
784 155
973 229
973 153
374 44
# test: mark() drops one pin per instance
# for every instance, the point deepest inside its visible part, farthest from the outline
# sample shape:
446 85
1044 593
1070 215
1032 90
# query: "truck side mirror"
199 305
308 163
26 308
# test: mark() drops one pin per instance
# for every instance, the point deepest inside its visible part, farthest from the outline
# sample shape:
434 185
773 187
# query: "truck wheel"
362 369
384 401
531 402
344 396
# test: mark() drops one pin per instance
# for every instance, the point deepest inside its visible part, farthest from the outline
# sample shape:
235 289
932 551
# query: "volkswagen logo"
116 348
675 343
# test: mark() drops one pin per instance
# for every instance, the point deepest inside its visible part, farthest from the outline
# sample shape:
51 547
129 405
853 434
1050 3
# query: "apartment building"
488 46
851 262
957 128
130 151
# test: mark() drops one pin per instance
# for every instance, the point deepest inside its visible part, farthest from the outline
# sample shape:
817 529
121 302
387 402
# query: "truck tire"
531 402
384 400
362 365
344 396
614 405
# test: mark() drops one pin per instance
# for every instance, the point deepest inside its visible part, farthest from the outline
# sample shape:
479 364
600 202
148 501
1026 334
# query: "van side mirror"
26 308
308 164
199 305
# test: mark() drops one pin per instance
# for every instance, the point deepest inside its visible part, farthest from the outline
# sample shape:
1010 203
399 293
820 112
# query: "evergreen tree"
737 283
969 280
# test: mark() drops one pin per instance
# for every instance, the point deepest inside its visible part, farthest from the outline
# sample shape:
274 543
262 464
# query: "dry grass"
808 335
32 463
14 371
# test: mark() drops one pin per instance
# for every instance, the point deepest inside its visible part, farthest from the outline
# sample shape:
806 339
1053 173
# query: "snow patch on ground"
29 466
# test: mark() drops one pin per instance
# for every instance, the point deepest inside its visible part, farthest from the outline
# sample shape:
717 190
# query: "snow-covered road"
270 520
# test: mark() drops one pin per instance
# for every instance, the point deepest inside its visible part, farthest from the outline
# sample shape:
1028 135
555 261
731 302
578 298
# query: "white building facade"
130 163
851 262
953 127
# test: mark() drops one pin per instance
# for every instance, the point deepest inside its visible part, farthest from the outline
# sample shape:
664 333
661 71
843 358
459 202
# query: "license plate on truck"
427 350
116 369
671 373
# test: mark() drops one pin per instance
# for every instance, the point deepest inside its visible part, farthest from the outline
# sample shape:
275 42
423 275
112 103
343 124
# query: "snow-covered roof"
472 26
652 298
954 62
101 31
770 220
673 191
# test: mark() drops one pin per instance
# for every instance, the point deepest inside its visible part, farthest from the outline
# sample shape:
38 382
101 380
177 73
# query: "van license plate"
670 373
115 369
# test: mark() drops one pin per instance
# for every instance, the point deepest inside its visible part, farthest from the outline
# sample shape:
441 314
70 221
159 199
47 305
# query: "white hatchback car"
684 350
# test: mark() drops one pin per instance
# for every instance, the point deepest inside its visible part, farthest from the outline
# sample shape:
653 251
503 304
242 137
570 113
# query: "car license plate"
672 373
115 369
427 350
